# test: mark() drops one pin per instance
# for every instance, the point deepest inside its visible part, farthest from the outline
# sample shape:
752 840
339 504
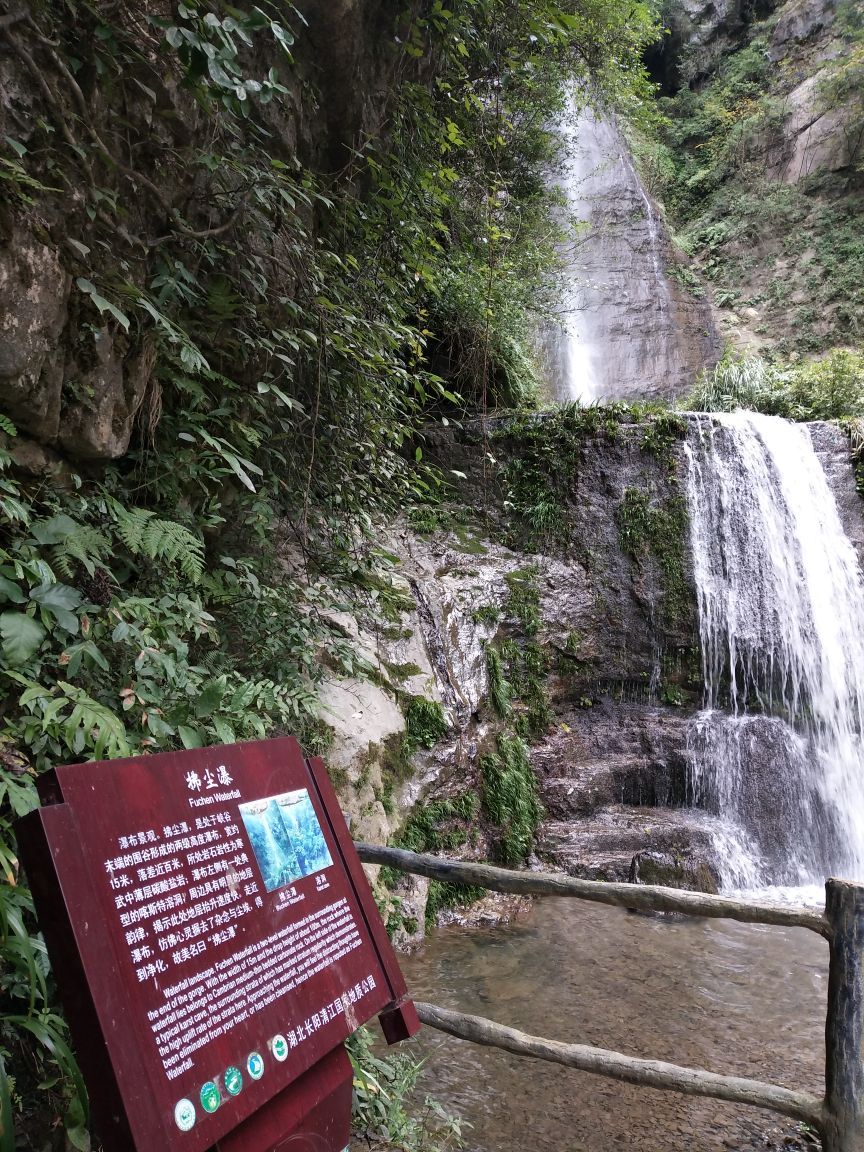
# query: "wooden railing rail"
639 897
839 1117
600 1061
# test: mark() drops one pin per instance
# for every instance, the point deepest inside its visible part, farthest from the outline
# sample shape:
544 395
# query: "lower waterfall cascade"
781 621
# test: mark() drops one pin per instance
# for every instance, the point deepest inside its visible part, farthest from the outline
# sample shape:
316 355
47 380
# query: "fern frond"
86 546
145 534
131 523
7 426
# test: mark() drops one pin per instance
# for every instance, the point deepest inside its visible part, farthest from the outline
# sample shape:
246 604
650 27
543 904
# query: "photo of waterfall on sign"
286 838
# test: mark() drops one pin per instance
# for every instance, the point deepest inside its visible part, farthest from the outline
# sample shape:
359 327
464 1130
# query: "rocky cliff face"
767 118
592 625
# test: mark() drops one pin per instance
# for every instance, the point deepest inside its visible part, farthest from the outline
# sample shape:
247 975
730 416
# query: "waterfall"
624 333
781 618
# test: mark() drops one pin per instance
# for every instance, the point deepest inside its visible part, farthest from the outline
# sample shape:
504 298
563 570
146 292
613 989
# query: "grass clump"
658 531
441 825
499 688
510 797
384 1110
486 614
523 598
426 723
828 388
442 894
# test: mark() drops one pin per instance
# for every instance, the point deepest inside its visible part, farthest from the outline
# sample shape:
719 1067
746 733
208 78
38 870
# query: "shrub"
830 388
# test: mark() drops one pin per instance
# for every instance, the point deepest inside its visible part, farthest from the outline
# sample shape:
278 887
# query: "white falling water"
620 334
781 615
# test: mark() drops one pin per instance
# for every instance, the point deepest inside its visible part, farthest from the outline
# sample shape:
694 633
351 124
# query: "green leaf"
9 590
21 636
218 74
210 698
191 737
224 730
53 531
80 248
16 145
7 1128
102 304
56 596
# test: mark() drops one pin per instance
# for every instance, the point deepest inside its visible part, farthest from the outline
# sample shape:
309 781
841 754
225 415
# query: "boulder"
109 391
672 870
797 22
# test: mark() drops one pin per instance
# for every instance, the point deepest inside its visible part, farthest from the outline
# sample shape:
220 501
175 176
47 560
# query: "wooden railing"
838 1117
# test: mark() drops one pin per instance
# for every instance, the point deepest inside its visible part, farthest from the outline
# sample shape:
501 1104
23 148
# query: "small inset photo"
286 837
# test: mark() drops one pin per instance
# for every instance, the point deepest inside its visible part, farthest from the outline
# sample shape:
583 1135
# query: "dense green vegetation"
296 333
382 1115
783 249
830 388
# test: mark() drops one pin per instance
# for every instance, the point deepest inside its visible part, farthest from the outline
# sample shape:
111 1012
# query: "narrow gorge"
476 393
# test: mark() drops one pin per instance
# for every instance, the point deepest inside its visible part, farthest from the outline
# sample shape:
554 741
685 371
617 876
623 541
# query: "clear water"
781 616
727 997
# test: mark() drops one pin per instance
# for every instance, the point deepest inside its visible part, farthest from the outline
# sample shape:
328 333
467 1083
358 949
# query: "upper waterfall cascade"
781 616
625 332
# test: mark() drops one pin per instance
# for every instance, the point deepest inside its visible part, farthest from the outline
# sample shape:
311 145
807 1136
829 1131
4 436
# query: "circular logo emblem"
184 1115
279 1047
210 1098
255 1065
233 1080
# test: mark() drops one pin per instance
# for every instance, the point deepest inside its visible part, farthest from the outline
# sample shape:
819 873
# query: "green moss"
633 516
662 433
443 895
394 758
395 632
659 530
510 797
542 458
526 670
391 602
401 672
425 519
517 686
468 544
573 644
441 825
316 736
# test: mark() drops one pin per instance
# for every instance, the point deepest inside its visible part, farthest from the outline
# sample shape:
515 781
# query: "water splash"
781 615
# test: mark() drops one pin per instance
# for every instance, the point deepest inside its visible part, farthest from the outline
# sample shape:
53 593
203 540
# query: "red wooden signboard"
215 942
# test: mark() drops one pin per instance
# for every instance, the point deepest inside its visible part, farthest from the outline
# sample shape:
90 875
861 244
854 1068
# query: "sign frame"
110 1040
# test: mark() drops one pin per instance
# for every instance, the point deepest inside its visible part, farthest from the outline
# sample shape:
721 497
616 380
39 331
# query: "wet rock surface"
630 331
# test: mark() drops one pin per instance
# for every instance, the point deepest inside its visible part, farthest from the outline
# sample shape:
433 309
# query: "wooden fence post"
843 1121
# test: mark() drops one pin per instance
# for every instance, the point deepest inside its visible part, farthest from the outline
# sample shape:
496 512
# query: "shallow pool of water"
727 997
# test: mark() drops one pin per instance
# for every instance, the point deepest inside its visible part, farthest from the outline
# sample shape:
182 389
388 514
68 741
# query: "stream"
728 997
